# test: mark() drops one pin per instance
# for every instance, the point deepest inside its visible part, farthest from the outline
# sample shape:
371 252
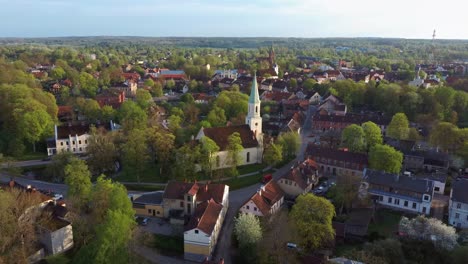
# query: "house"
204 205
315 98
337 162
439 179
324 122
174 75
149 204
73 138
55 233
332 105
201 233
112 97
400 192
300 179
265 202
376 76
129 87
251 135
458 204
183 198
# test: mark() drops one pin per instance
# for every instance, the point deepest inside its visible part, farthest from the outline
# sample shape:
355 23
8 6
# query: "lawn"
239 183
32 156
168 245
250 168
386 223
149 174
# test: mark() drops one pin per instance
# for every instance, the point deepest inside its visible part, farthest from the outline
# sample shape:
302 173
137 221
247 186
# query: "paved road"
238 197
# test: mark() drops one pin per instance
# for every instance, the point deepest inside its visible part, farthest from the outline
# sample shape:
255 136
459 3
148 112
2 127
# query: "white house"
266 201
399 192
73 138
458 204
315 99
251 135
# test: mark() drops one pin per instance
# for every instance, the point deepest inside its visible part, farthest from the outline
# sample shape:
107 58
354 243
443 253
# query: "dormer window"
196 231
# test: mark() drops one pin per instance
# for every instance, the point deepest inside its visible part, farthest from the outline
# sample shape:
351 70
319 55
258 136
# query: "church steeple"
253 118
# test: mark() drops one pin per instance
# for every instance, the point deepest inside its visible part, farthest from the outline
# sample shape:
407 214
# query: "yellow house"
149 204
201 233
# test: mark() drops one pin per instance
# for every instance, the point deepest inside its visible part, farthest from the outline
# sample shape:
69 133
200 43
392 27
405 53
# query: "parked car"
266 178
291 245
141 220
57 196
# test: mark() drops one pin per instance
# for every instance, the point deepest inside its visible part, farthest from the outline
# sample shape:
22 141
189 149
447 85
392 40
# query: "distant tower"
271 56
432 59
253 118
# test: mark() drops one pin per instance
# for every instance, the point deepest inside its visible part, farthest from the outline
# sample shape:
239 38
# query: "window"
457 215
79 142
248 156
389 200
414 205
181 204
157 212
188 198
149 211
248 207
380 198
397 201
458 205
256 109
61 143
73 142
196 231
81 149
86 141
437 189
67 143
406 204
74 149
255 209
426 197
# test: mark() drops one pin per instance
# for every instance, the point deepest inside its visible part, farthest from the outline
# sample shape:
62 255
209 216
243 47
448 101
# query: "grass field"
169 245
386 223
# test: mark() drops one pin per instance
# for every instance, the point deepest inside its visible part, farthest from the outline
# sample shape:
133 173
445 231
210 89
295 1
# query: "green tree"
88 84
385 158
398 127
55 170
372 134
312 218
35 125
248 230
290 143
352 138
143 98
149 83
309 84
132 116
234 148
445 135
162 145
102 151
107 114
273 154
170 84
208 151
293 83
57 73
78 180
157 90
135 152
186 158
216 117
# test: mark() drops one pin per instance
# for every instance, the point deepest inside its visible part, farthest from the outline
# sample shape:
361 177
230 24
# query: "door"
154 212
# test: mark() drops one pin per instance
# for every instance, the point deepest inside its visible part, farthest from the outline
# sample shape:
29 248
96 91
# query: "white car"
57 196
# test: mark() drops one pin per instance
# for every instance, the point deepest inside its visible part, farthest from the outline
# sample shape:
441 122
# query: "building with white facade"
265 202
251 135
458 204
399 192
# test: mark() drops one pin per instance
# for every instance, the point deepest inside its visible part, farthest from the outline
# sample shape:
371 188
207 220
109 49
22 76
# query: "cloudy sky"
235 18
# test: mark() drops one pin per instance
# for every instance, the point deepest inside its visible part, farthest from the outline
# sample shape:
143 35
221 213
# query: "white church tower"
253 118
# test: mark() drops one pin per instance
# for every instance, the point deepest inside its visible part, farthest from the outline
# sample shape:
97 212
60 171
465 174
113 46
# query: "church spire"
254 97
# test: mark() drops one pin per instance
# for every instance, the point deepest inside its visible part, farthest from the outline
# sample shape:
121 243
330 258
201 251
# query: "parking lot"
157 226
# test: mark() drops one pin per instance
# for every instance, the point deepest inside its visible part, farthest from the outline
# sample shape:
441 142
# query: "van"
266 178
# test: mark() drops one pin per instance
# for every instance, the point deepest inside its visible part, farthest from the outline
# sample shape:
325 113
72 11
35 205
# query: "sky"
235 18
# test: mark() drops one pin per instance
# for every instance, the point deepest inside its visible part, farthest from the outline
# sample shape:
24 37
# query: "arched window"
256 109
248 156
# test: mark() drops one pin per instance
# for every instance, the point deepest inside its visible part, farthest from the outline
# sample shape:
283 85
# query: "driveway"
157 226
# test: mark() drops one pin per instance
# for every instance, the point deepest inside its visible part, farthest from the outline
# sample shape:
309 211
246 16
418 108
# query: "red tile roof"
220 135
205 216
265 198
204 192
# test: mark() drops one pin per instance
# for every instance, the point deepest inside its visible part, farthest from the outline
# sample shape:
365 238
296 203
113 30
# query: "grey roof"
401 182
460 191
150 198
441 177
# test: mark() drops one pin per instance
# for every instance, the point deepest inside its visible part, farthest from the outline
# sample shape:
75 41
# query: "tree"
143 98
186 158
372 134
445 135
88 84
157 89
174 122
208 151
293 83
57 73
290 143
162 145
385 158
107 114
309 84
35 125
135 152
55 170
216 117
102 151
312 218
248 230
78 180
234 148
170 84
149 83
352 138
398 127
132 116
429 229
273 154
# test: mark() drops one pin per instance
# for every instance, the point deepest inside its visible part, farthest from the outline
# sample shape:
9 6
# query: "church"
250 133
